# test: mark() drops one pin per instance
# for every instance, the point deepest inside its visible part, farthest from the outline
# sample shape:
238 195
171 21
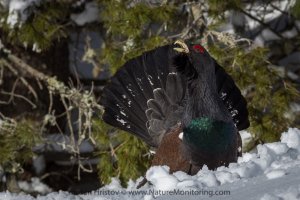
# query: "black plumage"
163 91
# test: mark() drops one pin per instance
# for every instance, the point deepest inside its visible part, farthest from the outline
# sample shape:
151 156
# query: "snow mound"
270 173
271 160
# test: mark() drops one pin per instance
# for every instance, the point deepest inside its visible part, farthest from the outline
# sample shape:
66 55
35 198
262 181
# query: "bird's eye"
198 48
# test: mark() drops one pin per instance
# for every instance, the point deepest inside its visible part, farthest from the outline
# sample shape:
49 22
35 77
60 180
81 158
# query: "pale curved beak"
183 48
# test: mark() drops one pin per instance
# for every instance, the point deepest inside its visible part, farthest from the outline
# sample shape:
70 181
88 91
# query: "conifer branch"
23 80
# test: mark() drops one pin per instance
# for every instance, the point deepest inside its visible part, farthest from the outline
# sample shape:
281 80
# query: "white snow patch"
290 33
208 178
292 138
34 186
275 174
161 179
89 15
18 10
246 137
267 34
36 48
291 193
283 5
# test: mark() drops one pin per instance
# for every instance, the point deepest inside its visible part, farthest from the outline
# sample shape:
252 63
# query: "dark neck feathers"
203 100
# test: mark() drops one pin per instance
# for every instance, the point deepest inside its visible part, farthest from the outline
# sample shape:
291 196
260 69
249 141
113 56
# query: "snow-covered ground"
270 173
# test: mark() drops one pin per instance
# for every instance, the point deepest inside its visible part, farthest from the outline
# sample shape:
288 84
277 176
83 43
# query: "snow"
36 48
292 138
260 9
290 33
89 15
18 10
271 172
35 185
160 178
246 137
275 174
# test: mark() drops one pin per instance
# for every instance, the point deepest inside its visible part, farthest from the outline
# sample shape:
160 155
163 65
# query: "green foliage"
41 28
121 154
131 21
218 8
296 9
16 143
128 30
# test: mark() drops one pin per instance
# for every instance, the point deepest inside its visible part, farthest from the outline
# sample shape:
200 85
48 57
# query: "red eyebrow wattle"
198 48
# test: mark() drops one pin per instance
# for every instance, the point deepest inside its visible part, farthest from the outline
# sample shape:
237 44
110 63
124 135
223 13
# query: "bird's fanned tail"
146 96
131 93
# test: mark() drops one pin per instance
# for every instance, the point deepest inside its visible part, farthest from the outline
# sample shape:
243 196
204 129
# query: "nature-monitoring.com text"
154 192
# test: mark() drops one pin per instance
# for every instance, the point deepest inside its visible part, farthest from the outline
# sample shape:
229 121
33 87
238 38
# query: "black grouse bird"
180 101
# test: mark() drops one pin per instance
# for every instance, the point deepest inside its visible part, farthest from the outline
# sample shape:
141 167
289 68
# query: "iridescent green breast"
208 135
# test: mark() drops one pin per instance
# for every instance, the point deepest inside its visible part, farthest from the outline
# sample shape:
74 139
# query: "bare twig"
71 98
27 68
19 96
1 74
69 121
13 91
